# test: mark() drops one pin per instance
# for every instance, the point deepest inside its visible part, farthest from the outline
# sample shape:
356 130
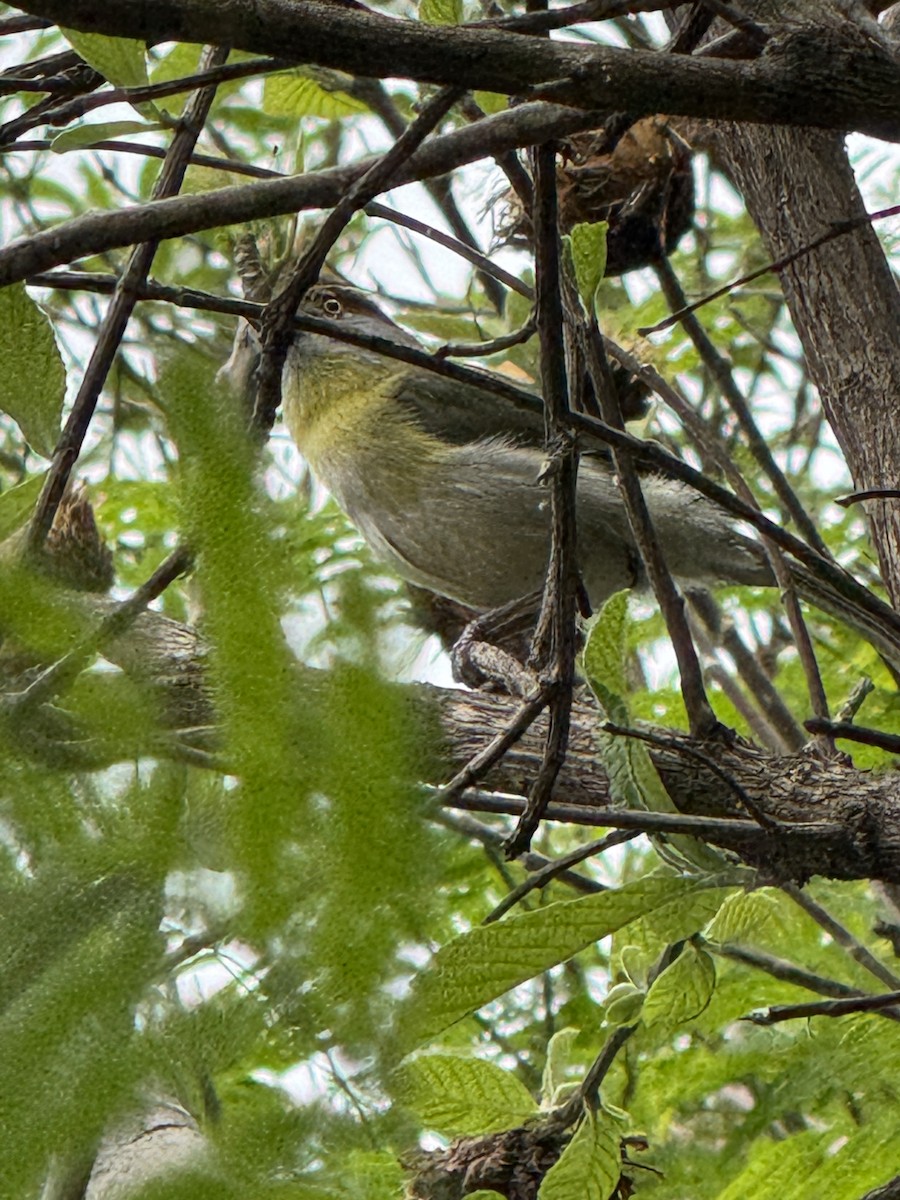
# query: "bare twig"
553 646
823 1008
838 229
855 733
558 869
844 938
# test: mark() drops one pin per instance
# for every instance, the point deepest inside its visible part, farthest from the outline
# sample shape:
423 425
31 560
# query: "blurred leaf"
587 247
556 1066
123 61
32 375
16 504
491 102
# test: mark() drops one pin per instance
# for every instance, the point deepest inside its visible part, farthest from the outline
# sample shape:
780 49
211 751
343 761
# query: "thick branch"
827 817
842 82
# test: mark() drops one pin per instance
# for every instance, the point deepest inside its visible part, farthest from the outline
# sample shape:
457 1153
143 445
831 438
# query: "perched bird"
444 482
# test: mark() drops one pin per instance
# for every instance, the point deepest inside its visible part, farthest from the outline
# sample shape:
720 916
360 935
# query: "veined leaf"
295 93
487 961
682 990
462 1096
590 1166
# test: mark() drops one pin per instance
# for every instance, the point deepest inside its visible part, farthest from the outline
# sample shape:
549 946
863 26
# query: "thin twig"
483 349
729 12
823 1008
574 14
374 93
553 645
727 832
203 78
702 719
557 869
869 494
838 229
532 861
844 938
855 733
722 374
720 369
682 746
771 707
788 972
479 764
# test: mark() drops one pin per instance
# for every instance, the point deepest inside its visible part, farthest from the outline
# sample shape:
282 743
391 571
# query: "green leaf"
462 1096
623 1004
76 137
441 12
559 1051
123 61
774 1169
682 990
587 247
485 1194
491 102
487 961
590 1166
295 93
32 375
634 781
16 503
603 658
746 917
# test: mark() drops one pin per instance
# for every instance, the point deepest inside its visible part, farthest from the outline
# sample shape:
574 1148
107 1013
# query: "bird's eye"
332 307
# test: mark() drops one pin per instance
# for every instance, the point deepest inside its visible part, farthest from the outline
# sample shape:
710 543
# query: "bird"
445 483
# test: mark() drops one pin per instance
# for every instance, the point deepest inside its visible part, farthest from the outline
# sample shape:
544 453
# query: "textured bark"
827 817
830 818
848 81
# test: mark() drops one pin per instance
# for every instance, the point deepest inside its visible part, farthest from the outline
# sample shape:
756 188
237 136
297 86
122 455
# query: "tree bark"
847 80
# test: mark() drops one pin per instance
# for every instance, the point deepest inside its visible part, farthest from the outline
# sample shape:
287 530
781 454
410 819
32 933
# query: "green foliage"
484 963
633 780
32 376
585 249
459 1096
682 990
296 93
590 1165
257 920
120 60
440 12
